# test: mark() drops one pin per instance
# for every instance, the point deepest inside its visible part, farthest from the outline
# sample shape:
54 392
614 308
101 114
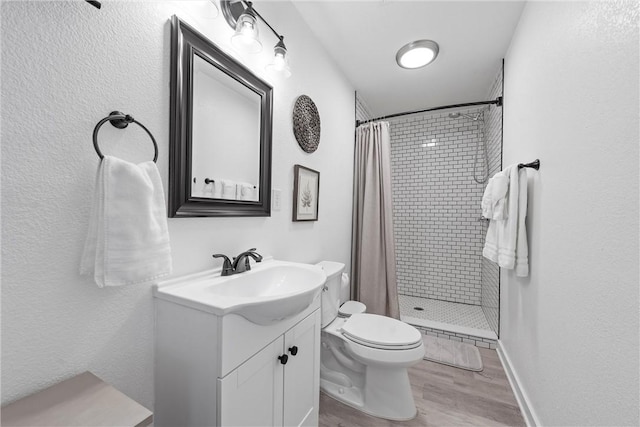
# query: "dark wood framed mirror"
220 132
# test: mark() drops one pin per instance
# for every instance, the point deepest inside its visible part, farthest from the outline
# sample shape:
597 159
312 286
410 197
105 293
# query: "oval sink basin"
270 292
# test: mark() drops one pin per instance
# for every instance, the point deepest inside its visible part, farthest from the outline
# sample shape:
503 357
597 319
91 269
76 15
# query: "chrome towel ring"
121 121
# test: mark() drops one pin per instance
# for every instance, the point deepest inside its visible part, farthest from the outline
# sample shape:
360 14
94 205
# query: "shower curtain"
373 256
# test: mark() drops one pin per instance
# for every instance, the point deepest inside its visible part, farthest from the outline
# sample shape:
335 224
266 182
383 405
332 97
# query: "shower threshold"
450 317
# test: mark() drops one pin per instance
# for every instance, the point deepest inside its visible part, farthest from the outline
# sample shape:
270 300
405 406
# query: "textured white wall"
571 99
66 65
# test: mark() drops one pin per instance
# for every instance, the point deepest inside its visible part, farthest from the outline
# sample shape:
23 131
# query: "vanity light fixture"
210 9
244 20
246 38
417 54
280 62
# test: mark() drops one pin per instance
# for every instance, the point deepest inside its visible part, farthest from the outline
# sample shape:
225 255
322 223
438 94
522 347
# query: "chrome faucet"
240 267
237 266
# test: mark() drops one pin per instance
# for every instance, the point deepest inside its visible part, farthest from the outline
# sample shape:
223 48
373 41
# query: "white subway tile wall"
469 339
490 271
436 206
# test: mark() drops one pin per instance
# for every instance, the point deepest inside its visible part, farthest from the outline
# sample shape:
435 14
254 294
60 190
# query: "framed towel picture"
306 188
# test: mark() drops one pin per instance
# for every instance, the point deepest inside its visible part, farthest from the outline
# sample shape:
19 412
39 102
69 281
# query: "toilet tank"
331 292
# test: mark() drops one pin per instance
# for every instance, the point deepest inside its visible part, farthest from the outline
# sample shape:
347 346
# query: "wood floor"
445 396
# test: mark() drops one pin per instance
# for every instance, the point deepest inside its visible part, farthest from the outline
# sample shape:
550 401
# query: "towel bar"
534 165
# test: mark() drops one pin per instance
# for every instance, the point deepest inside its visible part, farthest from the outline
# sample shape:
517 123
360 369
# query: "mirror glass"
221 121
226 136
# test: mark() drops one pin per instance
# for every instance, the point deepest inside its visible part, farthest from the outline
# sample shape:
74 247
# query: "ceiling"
364 36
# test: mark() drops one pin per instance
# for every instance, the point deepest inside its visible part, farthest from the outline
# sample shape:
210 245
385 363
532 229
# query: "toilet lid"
351 307
381 331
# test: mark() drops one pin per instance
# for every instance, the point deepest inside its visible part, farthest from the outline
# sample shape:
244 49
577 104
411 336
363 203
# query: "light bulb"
280 62
245 38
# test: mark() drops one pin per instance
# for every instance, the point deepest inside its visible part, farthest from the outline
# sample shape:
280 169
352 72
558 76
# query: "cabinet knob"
293 350
283 359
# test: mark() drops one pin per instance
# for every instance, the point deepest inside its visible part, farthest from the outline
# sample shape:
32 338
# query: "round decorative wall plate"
306 124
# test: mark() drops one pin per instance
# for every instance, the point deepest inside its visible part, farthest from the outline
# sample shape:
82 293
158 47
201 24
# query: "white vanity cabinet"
227 371
277 386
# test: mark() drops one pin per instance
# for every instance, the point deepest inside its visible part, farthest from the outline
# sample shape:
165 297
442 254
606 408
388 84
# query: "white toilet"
364 357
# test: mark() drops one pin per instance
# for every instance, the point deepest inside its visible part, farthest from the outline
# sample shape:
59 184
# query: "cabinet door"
251 395
302 372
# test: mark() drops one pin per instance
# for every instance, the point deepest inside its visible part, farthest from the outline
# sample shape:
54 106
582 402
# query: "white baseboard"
523 401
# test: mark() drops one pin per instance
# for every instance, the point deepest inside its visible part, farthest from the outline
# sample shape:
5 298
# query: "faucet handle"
227 268
226 258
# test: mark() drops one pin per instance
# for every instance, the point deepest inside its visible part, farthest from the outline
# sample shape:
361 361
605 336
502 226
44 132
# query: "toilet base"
377 398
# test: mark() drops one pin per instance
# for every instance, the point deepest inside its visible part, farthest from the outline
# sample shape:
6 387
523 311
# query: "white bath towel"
247 192
128 239
506 242
207 189
494 204
522 246
217 189
229 189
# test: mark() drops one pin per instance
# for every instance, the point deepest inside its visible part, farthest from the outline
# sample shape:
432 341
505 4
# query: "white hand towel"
229 190
506 242
128 239
522 247
207 189
217 189
247 192
499 197
493 200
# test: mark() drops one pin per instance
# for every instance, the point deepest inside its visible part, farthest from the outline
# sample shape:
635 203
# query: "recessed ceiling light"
417 54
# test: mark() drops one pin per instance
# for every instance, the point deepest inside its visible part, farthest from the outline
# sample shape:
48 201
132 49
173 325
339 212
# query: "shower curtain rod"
497 101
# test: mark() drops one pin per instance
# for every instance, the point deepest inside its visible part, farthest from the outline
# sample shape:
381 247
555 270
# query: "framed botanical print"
306 188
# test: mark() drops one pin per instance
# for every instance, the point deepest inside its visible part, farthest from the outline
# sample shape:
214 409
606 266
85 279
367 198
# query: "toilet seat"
350 308
381 332
383 346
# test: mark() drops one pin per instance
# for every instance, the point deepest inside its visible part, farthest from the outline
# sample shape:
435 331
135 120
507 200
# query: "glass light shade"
280 62
417 54
245 38
209 9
